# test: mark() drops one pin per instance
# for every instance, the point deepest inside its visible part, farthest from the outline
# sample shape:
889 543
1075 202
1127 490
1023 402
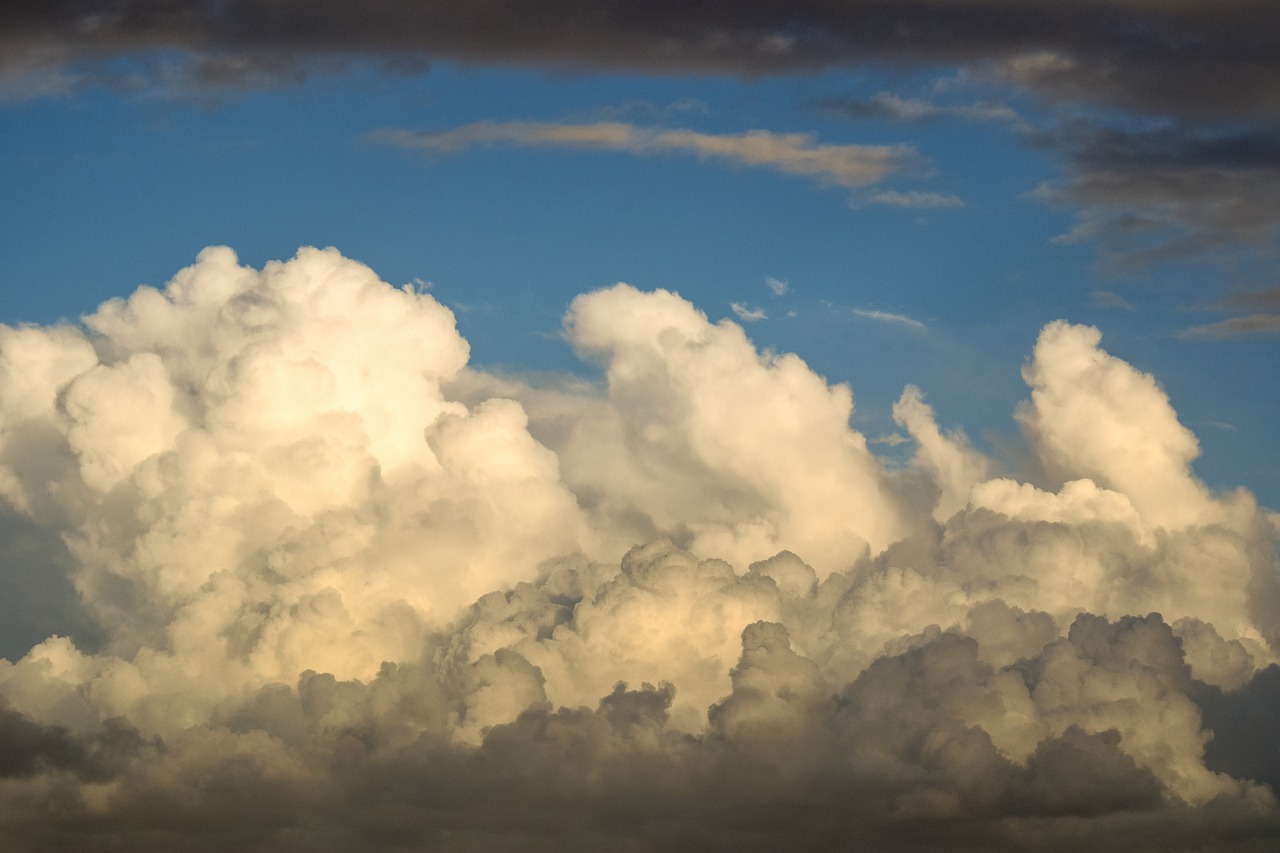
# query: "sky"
810 425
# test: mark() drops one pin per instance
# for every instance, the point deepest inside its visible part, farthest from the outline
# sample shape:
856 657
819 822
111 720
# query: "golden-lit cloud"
328 588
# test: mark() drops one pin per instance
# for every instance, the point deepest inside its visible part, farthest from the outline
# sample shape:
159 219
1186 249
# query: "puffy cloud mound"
289 576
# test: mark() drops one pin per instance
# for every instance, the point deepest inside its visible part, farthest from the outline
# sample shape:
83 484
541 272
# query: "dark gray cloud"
1156 194
1181 58
29 748
1245 723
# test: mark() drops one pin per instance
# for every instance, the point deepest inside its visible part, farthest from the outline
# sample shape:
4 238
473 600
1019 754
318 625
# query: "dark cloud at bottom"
879 764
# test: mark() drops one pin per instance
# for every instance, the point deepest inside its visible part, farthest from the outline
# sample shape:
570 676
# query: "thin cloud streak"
917 199
849 166
890 107
1236 327
887 317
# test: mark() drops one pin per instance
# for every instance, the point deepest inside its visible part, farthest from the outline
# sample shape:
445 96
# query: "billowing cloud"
792 153
327 588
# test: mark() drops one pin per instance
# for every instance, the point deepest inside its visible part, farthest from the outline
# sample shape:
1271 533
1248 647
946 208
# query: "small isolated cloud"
748 315
777 286
890 107
890 439
1107 299
915 199
886 317
849 166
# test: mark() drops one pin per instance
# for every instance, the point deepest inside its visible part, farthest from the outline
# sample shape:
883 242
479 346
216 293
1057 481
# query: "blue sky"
109 189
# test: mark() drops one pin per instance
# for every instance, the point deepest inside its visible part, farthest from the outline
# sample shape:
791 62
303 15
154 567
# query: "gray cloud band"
1185 59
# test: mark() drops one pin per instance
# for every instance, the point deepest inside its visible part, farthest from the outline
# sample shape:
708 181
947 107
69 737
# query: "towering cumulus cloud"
282 573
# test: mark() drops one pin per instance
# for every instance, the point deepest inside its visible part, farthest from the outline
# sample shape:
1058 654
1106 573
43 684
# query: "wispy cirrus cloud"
843 165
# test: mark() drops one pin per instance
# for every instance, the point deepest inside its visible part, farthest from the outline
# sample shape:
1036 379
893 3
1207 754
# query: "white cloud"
777 286
748 315
348 600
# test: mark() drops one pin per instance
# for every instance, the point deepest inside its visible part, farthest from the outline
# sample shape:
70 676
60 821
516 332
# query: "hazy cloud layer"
793 153
1186 59
347 594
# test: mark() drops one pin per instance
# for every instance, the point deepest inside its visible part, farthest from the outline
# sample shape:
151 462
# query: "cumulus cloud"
345 593
792 153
